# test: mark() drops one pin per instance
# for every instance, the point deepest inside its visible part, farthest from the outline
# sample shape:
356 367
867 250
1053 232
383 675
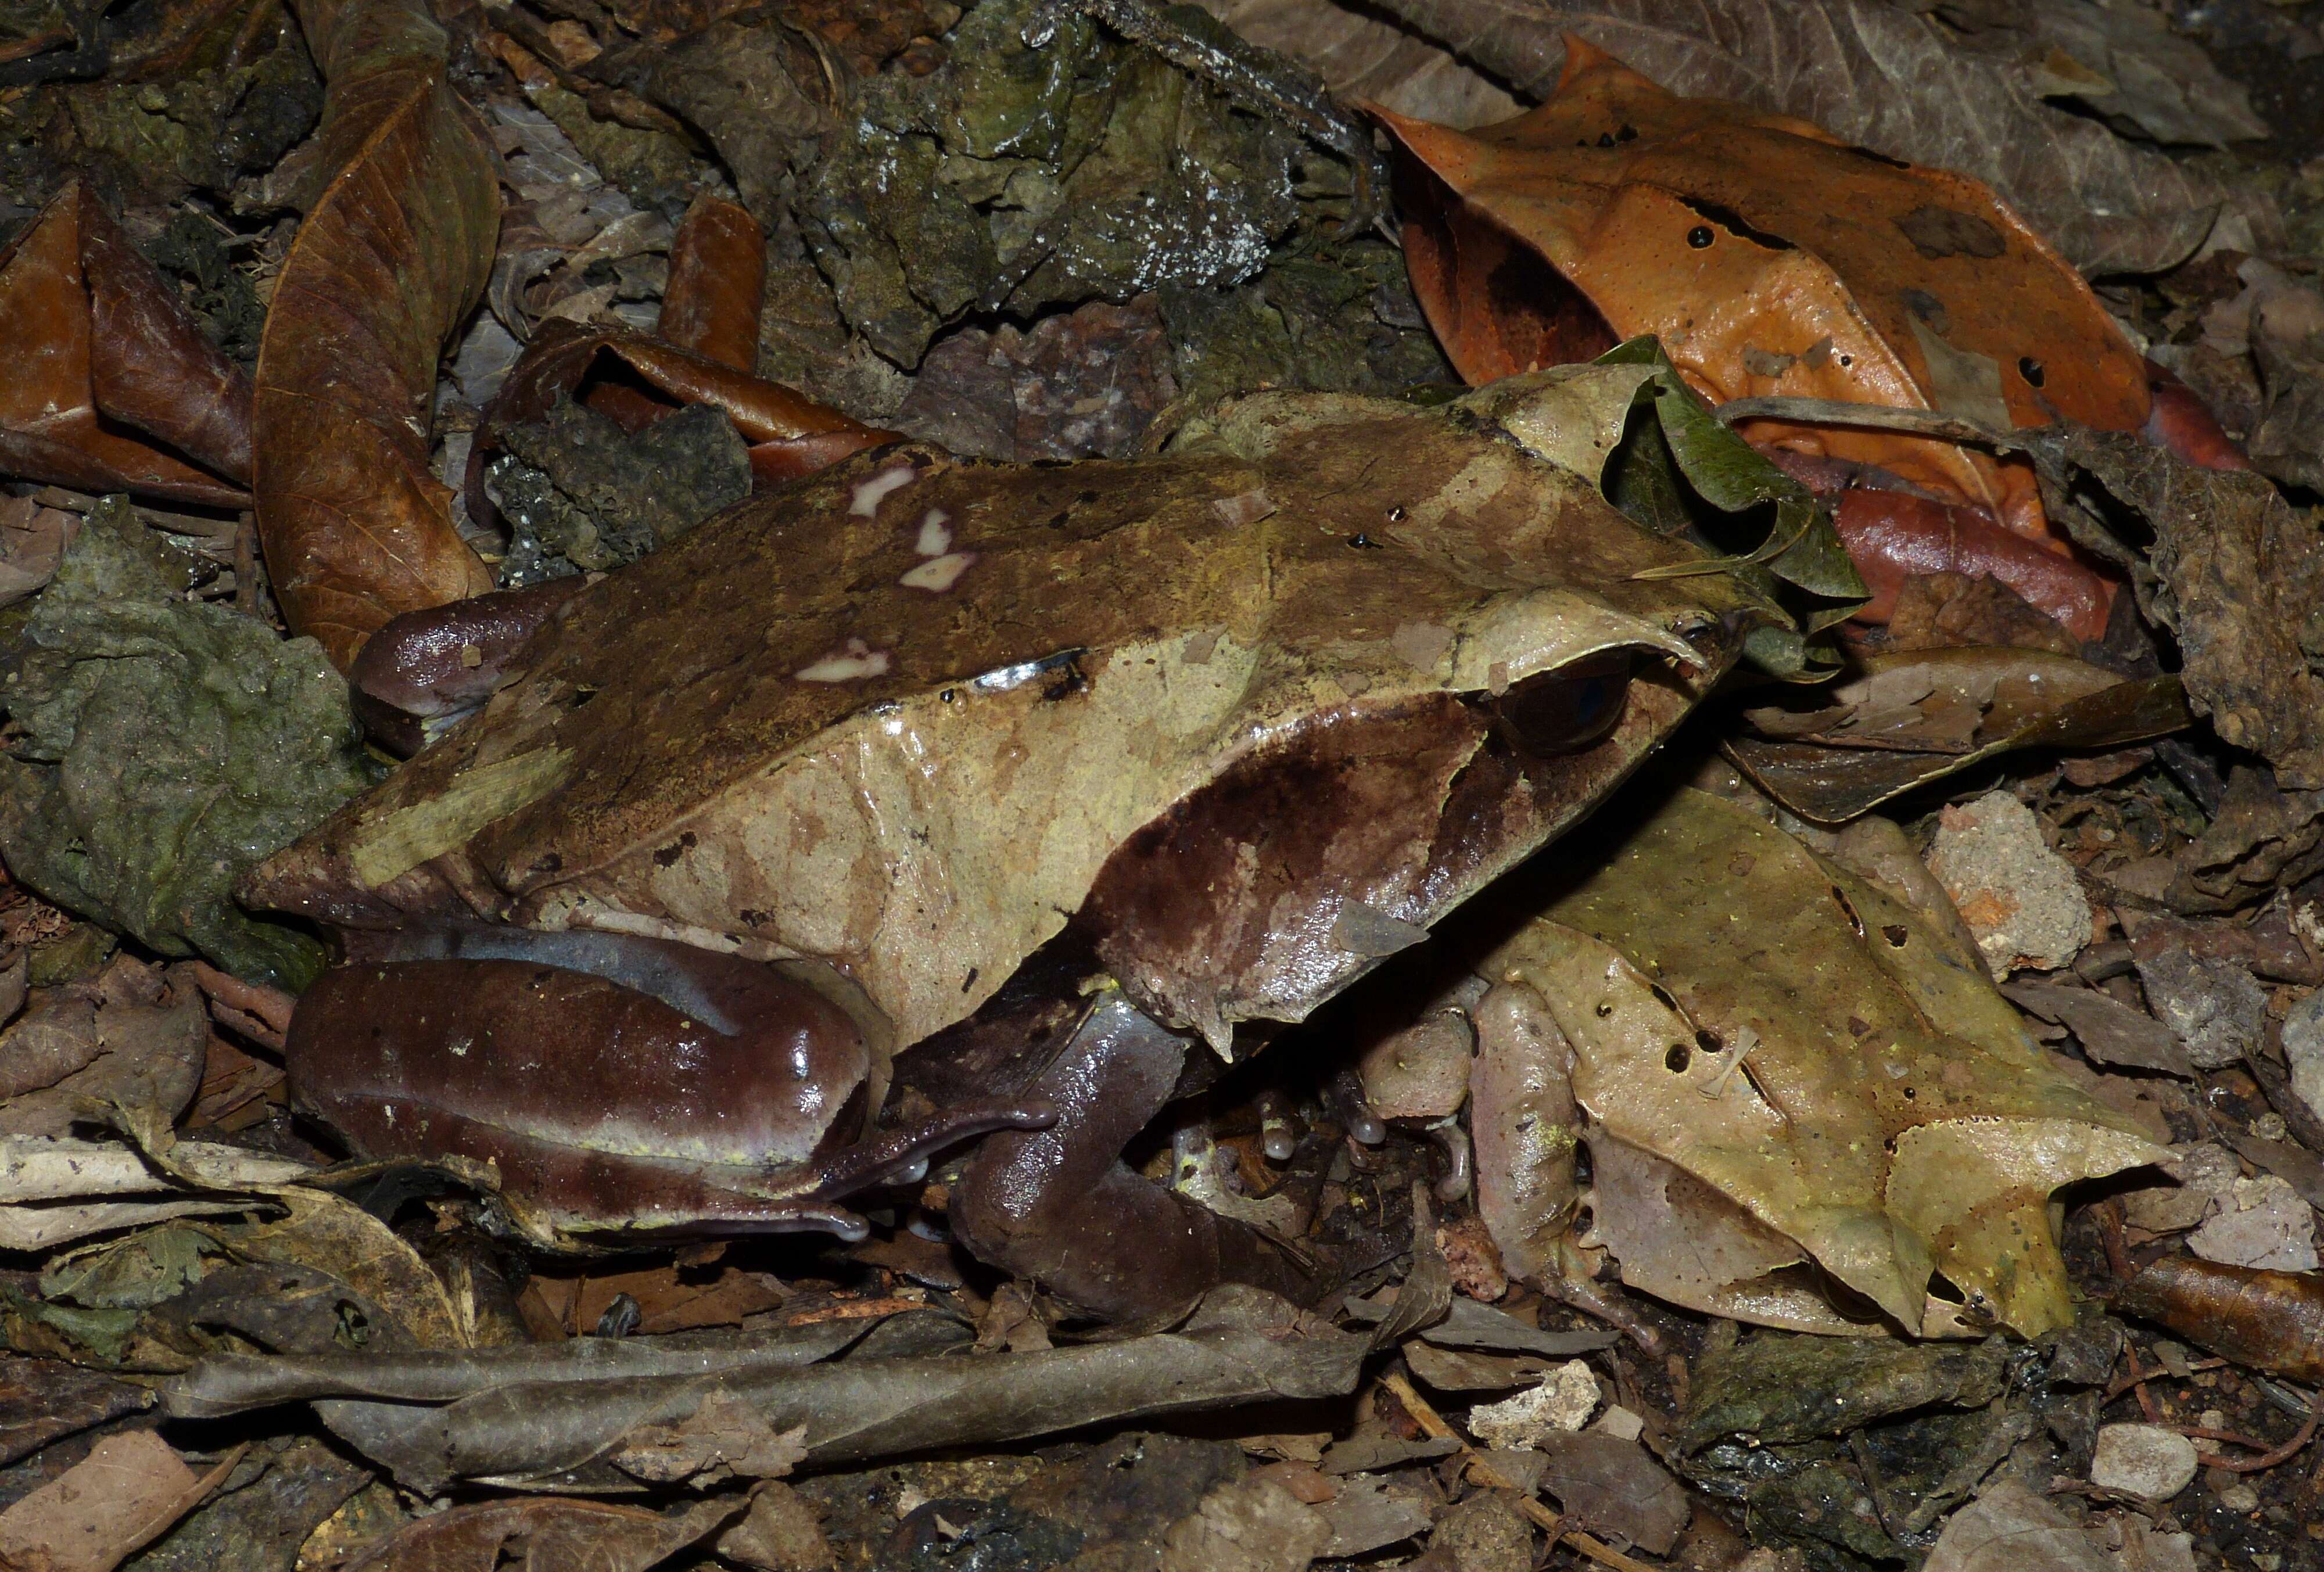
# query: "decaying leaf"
892 1395
2273 1320
166 744
1817 1056
1772 260
105 1508
723 1438
2226 564
1678 1238
1269 592
2010 1529
1876 75
54 1190
545 1533
387 263
130 1039
1615 1486
114 387
1908 719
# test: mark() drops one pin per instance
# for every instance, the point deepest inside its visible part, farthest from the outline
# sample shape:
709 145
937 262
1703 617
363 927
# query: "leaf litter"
1044 233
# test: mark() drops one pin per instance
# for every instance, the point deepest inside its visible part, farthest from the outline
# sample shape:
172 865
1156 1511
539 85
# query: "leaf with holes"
1795 1039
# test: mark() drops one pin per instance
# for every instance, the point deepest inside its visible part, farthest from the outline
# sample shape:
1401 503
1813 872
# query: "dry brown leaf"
105 1508
545 1533
2273 1320
1771 260
386 265
130 1039
1614 1486
114 386
2010 1529
2226 564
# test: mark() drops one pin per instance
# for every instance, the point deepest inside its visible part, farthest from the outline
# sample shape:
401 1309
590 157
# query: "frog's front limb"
1060 1207
425 669
618 1083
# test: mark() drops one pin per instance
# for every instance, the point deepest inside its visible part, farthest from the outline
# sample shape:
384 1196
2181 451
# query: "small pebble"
2240 1498
2145 1461
2021 900
2303 1047
1564 1400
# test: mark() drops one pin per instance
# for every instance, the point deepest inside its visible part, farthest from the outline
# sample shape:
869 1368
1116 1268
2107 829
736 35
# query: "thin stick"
1482 1471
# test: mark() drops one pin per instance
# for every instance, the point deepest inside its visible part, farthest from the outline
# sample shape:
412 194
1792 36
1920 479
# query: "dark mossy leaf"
166 745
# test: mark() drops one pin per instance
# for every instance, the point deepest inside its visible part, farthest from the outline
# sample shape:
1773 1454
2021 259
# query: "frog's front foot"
426 669
620 1085
1059 1205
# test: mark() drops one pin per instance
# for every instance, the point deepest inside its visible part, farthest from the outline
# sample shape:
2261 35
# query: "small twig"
1933 423
2265 1459
1482 1471
245 565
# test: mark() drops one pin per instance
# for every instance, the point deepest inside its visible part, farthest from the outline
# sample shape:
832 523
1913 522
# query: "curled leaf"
386 266
114 387
1914 717
2272 1321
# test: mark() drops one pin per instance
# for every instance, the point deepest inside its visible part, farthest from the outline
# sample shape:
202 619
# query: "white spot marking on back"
856 659
939 573
872 490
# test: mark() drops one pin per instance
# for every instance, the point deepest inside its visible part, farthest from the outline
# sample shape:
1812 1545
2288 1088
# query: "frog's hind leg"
1059 1205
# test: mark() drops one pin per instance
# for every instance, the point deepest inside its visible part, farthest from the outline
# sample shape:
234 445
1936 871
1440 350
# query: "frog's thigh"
1060 1207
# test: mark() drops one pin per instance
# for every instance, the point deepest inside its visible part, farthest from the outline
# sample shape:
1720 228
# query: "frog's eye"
1572 708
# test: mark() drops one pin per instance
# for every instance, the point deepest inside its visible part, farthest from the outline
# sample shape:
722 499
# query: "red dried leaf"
717 281
388 263
115 386
2272 1321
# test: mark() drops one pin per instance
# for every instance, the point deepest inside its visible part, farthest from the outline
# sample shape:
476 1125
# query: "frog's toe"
900 1156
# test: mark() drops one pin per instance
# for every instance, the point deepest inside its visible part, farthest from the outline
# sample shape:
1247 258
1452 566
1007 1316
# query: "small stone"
2259 1222
2021 900
2303 1045
2240 1498
1621 1422
1564 1400
2216 1006
2145 1461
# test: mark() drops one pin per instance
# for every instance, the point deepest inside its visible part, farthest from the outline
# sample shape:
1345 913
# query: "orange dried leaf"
717 281
2270 1320
1770 259
387 265
115 388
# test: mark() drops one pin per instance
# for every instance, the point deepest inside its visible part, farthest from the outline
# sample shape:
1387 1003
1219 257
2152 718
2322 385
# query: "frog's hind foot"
1059 1205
